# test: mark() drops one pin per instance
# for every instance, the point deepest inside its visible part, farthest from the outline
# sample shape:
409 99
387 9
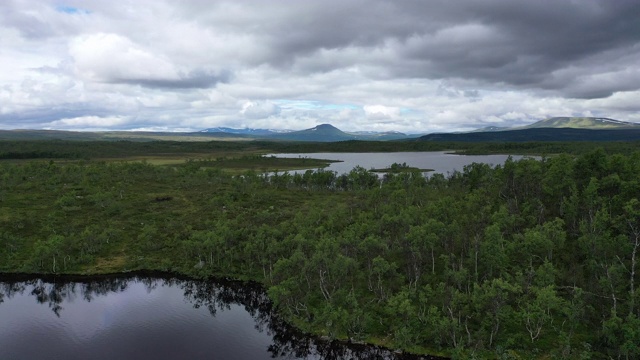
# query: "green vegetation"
532 259
398 168
262 163
58 135
110 150
583 123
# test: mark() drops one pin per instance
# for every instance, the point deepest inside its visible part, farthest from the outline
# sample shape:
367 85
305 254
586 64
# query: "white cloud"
91 123
406 66
259 109
114 58
381 112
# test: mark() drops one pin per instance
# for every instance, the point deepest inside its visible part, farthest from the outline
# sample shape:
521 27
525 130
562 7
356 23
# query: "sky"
415 66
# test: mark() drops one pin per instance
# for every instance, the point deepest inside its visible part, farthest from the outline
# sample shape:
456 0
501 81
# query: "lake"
153 318
440 161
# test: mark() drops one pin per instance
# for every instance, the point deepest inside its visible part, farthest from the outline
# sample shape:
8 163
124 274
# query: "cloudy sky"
415 66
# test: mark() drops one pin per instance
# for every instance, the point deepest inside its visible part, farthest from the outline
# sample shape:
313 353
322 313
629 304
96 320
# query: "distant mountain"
375 135
244 131
491 128
324 132
594 123
582 123
552 129
540 134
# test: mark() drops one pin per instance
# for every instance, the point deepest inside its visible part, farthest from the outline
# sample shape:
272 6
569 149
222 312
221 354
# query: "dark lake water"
153 318
440 161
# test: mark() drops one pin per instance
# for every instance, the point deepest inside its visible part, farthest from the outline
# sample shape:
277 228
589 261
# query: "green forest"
530 259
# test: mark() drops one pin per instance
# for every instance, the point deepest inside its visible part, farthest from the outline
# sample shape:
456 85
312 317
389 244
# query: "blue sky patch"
71 10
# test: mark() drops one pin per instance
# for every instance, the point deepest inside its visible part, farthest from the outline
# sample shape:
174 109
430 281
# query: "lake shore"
18 277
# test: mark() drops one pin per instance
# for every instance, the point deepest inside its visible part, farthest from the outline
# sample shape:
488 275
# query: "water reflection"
215 296
441 162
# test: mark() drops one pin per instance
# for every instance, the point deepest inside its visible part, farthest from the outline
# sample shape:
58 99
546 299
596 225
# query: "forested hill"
552 129
583 123
532 259
539 134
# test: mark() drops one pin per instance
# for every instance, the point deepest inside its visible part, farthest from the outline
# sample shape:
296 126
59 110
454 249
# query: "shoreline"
159 274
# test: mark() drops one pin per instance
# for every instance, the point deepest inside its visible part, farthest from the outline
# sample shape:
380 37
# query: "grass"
112 264
235 162
231 162
264 164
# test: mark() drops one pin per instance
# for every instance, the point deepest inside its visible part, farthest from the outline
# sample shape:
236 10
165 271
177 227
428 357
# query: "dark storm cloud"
535 39
197 79
517 43
528 41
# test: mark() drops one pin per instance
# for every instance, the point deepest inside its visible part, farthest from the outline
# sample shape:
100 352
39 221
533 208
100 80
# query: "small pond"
153 318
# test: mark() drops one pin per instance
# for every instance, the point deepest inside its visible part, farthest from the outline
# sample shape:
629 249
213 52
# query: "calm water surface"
440 161
153 318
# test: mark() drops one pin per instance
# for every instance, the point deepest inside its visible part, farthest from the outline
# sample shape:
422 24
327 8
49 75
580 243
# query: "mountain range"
244 131
552 129
323 132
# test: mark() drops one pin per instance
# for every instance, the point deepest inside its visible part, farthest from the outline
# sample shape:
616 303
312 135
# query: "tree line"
101 149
